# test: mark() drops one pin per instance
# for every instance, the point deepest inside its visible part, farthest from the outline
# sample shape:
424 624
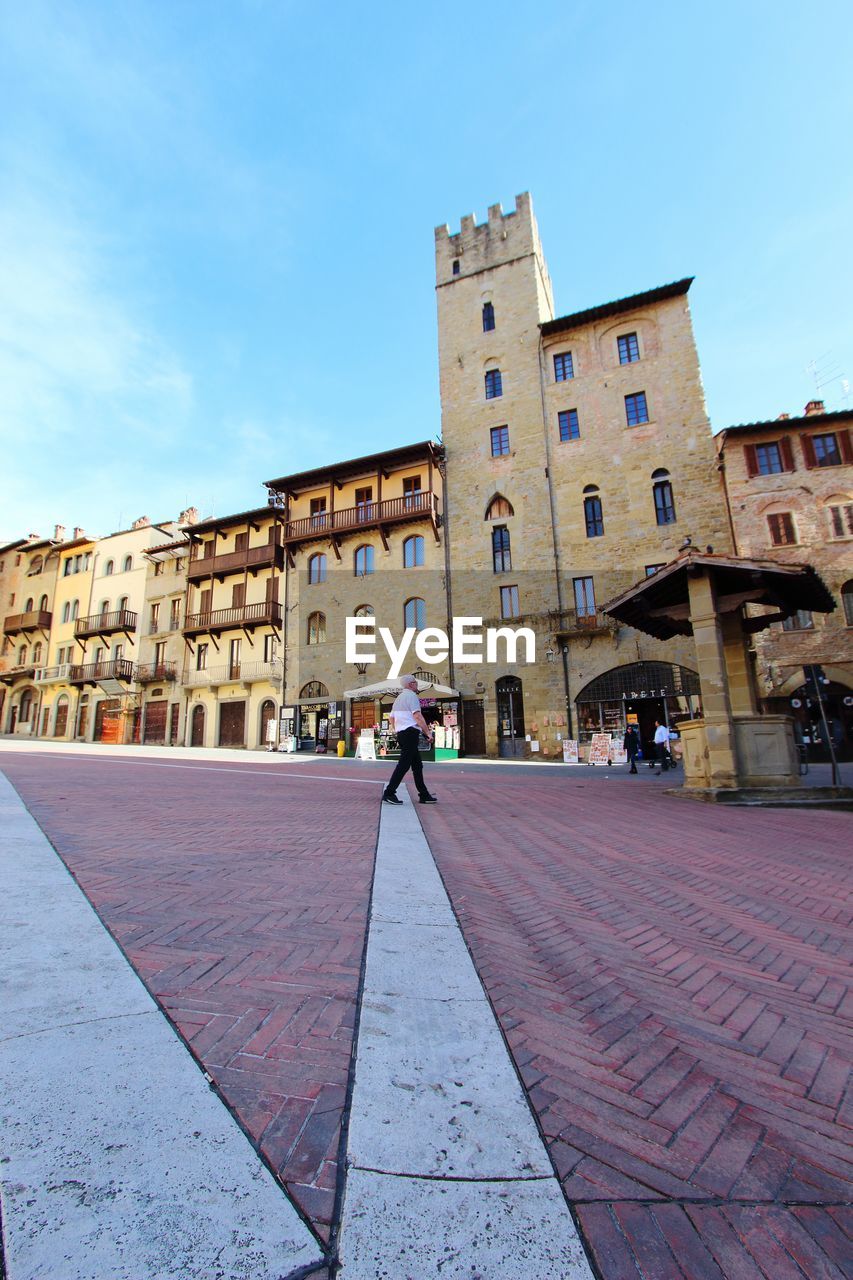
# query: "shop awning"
382 687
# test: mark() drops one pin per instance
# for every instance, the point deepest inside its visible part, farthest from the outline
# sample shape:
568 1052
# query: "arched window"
109 568
128 563
37 564
122 604
501 558
592 512
37 650
488 317
317 569
499 508
316 628
43 604
66 611
26 706
364 611
105 608
363 560
28 607
494 384
662 493
847 601
413 552
75 609
22 656
314 689
414 613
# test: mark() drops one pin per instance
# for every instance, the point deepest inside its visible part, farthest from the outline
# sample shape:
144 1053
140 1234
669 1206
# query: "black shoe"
428 799
389 799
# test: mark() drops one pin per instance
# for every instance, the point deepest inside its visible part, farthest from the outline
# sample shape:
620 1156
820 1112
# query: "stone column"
738 667
713 678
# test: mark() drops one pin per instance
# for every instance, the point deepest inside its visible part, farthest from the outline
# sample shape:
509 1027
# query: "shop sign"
646 693
599 748
570 751
365 748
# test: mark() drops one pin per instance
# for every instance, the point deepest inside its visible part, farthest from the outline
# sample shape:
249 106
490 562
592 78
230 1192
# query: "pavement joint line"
130 1118
80 1022
440 1128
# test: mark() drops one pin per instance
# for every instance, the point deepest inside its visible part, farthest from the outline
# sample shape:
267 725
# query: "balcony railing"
92 672
53 675
247 615
152 672
35 620
101 624
245 672
270 555
413 506
17 672
572 623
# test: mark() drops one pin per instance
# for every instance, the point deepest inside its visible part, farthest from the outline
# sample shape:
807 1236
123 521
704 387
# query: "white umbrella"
393 686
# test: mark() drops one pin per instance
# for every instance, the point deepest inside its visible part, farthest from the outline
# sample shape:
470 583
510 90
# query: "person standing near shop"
662 745
631 746
408 723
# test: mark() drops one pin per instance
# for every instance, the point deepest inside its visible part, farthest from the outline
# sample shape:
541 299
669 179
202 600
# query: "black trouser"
410 758
662 754
632 760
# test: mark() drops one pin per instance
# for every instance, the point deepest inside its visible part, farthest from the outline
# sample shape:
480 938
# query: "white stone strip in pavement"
447 1175
118 1161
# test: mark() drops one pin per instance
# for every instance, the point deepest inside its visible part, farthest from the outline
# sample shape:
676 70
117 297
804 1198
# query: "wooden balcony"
104 624
269 556
154 672
369 515
247 615
35 620
93 672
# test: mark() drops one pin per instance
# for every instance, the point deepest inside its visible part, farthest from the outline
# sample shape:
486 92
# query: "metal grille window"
564 367
413 552
664 502
364 561
594 517
636 409
584 597
316 628
841 520
768 458
500 549
782 531
500 441
629 348
510 607
414 613
317 569
488 317
494 384
569 425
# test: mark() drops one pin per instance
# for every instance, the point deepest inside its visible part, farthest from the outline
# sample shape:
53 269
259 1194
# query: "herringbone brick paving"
242 903
673 983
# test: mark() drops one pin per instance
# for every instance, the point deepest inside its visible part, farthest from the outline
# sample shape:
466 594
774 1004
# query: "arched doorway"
313 716
60 724
267 718
646 691
510 716
197 726
809 729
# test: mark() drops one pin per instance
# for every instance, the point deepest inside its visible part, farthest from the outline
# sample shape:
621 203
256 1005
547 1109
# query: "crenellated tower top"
476 247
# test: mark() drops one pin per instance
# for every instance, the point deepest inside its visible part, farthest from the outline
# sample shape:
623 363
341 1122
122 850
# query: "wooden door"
473 727
173 722
232 724
363 716
197 737
61 724
267 714
108 720
154 728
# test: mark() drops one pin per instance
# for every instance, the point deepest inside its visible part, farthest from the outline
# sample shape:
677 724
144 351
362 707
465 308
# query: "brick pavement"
249 932
672 981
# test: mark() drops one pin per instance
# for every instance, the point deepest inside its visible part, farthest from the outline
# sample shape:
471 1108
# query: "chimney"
783 417
78 532
59 533
141 523
190 516
814 406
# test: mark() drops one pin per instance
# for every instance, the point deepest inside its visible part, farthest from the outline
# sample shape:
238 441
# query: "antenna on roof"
825 370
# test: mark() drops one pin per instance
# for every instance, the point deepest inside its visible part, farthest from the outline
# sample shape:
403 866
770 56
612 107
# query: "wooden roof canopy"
660 606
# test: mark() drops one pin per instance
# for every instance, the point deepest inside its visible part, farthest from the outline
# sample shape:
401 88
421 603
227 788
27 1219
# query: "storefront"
809 729
370 708
651 691
319 719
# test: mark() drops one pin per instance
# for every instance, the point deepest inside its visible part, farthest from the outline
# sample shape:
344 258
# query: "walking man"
408 723
631 746
662 745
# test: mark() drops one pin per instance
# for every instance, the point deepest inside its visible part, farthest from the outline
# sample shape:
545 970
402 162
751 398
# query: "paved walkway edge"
447 1173
118 1161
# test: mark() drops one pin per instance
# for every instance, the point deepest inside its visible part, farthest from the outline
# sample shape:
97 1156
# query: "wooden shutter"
238 595
844 445
751 460
206 597
241 542
808 452
786 454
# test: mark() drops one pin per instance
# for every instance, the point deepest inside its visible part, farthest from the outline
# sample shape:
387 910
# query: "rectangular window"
241 541
501 558
234 659
270 649
564 367
318 513
155 618
500 441
238 595
841 520
584 597
494 384
768 458
664 502
636 409
825 450
175 615
363 497
782 531
411 491
802 620
568 423
201 658
509 602
488 317
594 517
179 565
629 348
160 653
651 569
159 566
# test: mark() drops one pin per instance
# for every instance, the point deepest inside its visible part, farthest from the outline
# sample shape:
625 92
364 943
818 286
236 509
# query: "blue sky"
216 224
